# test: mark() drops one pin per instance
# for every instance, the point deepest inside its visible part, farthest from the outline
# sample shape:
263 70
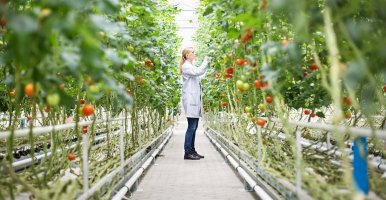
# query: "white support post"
85 162
259 144
328 141
122 145
298 164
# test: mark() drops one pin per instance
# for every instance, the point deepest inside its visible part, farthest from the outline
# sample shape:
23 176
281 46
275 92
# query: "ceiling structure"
187 20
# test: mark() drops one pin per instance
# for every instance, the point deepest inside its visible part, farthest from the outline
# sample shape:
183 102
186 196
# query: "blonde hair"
183 57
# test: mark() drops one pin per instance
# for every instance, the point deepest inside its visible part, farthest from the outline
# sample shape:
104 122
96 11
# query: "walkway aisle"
172 177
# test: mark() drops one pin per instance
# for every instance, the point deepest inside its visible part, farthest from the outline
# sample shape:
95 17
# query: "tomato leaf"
208 10
320 114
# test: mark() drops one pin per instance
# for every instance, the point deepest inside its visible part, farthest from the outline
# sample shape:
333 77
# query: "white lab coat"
191 89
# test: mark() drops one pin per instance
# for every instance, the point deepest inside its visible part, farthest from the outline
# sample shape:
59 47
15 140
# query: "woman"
191 98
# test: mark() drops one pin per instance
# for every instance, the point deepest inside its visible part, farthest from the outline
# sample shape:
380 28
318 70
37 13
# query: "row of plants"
311 61
73 61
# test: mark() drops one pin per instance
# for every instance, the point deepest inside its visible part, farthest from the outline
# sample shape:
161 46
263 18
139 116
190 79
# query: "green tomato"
261 107
102 35
239 84
130 48
243 78
94 88
53 99
245 87
247 109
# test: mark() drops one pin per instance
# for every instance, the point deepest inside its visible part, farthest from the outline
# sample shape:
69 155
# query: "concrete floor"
172 177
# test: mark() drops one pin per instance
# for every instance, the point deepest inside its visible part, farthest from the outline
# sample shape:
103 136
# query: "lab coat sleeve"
191 71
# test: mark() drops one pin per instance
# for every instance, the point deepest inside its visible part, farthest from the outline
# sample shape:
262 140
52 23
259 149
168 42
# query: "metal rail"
137 157
47 129
356 131
129 184
239 168
23 163
265 180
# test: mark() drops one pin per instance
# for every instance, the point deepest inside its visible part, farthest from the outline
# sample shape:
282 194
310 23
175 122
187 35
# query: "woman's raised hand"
207 58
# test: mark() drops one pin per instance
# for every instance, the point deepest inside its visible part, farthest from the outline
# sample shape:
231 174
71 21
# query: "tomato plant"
81 50
303 62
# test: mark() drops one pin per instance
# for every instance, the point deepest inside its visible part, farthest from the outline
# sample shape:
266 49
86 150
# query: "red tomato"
84 129
313 115
247 36
240 62
29 90
82 101
306 111
314 66
88 110
148 63
230 70
260 122
347 101
305 74
71 156
29 117
268 99
257 84
223 104
384 88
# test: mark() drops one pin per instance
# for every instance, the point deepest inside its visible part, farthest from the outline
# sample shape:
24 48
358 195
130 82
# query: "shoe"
200 156
191 157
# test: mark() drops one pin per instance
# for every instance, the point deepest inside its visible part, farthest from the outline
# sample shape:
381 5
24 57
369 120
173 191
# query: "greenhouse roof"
187 20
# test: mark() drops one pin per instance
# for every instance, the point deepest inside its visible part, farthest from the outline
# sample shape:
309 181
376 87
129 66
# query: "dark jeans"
190 135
